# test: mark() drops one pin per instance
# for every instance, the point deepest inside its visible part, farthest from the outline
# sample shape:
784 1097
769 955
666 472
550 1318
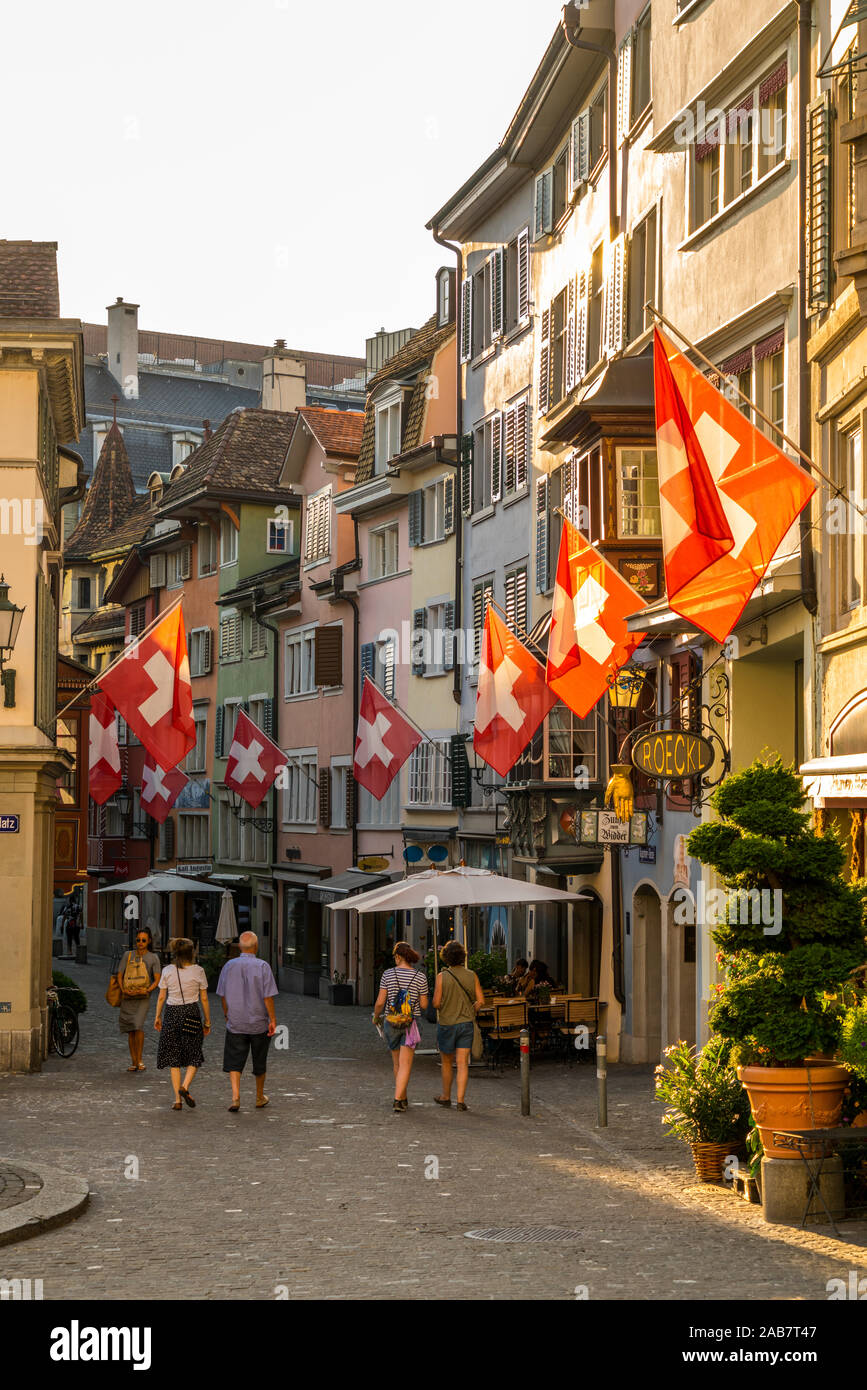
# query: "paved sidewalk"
327 1194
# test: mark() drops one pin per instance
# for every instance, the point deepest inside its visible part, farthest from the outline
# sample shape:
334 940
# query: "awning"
331 890
840 782
620 399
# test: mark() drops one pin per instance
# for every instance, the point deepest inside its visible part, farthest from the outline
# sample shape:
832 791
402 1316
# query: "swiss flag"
253 763
760 491
589 639
160 790
512 699
104 774
150 685
383 742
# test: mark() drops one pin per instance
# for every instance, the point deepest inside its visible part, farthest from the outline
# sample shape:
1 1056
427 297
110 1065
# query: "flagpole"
117 660
812 466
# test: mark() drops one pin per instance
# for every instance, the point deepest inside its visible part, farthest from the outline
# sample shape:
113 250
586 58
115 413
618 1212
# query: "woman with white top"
182 986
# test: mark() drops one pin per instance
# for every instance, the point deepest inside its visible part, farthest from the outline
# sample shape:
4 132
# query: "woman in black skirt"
182 986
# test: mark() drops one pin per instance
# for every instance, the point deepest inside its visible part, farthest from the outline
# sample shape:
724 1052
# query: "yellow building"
41 411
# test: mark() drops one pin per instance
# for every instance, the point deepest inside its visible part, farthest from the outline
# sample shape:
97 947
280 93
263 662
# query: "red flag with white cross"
254 762
150 686
383 742
159 789
589 639
512 697
104 772
711 570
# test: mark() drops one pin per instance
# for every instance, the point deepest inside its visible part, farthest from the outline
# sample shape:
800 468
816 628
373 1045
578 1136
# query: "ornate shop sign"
672 753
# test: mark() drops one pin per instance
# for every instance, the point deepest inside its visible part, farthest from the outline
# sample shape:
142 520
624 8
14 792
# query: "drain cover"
526 1235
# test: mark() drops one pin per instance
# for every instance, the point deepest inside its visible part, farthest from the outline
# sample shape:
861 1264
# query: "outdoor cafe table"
814 1146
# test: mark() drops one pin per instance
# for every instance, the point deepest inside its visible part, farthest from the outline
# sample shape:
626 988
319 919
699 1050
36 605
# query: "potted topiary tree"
791 932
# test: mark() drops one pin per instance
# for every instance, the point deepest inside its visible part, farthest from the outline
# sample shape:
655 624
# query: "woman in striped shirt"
402 1042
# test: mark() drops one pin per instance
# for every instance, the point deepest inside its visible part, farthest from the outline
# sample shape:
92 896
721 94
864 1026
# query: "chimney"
123 346
284 379
206 426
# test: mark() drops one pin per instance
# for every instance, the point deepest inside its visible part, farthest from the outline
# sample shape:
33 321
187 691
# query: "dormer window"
156 494
182 446
389 428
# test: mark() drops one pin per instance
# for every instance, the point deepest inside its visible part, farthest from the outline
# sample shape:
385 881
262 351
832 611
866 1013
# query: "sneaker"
462 1105
441 1100
399 1107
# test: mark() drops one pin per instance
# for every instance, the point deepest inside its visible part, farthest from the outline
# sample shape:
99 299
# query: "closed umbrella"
227 927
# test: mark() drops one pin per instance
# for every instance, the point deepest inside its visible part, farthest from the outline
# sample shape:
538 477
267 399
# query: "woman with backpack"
403 995
138 976
178 1020
457 998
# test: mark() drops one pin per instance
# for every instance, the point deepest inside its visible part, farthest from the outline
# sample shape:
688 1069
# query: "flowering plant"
705 1100
853 1039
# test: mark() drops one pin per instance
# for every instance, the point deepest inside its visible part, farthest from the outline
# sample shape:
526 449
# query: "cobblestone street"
324 1194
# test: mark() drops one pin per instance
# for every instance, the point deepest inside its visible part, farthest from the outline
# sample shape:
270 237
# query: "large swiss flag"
512 698
150 686
589 639
253 763
160 790
702 435
104 772
383 742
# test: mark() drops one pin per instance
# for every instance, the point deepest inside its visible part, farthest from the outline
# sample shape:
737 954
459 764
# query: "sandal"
177 1105
399 1107
234 1107
441 1100
134 1067
462 1105
260 1104
182 1091
141 1067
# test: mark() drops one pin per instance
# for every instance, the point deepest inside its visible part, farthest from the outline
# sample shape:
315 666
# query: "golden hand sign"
619 793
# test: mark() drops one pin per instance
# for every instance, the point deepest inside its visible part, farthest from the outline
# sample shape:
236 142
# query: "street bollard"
602 1083
525 1071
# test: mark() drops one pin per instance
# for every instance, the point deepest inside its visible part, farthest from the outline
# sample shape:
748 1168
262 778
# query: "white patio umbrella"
460 887
227 926
163 883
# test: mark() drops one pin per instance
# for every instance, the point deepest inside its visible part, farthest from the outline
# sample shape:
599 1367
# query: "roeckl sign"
672 753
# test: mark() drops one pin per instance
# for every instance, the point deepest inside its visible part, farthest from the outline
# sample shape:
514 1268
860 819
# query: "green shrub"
705 1100
853 1040
76 998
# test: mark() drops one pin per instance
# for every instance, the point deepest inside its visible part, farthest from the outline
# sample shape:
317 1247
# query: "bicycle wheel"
64 1030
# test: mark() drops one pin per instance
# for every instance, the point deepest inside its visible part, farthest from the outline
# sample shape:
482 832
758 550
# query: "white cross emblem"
152 777
371 743
247 761
497 696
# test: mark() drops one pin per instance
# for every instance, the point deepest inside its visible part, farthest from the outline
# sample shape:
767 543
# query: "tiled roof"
97 624
338 431
109 501
415 355
131 531
245 454
289 572
182 401
28 280
323 368
420 348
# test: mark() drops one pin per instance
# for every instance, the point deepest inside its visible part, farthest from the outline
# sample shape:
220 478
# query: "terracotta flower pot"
787 1098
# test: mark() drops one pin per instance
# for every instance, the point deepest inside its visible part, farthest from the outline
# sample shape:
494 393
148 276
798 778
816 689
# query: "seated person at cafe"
537 975
520 970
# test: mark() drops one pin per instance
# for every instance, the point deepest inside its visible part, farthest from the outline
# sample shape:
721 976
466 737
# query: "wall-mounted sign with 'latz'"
671 753
10 825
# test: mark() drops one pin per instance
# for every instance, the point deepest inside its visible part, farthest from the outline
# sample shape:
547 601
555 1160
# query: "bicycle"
63 1031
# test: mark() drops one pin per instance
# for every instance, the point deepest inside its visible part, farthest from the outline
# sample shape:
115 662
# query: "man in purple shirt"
246 988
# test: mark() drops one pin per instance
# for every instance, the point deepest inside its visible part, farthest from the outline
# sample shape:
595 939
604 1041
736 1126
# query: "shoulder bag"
190 1027
114 993
478 1049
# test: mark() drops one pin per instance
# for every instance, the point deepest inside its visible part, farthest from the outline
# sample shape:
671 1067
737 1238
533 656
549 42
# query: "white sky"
254 169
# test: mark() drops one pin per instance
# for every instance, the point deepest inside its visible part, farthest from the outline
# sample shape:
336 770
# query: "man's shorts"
238 1045
451 1036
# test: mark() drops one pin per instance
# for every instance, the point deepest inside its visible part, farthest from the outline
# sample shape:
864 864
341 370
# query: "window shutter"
516 601
614 297
581 328
624 88
545 362
522 442
581 148
479 607
466 319
509 420
570 336
368 661
819 203
497 457
351 798
416 518
158 571
449 505
388 669
325 796
168 838
268 716
205 652
220 715
541 535
449 637
523 273
496 293
185 561
461 781
328 656
509 604
467 475
419 623
544 204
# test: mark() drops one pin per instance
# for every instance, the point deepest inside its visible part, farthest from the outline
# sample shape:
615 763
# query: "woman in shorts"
400 981
457 998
